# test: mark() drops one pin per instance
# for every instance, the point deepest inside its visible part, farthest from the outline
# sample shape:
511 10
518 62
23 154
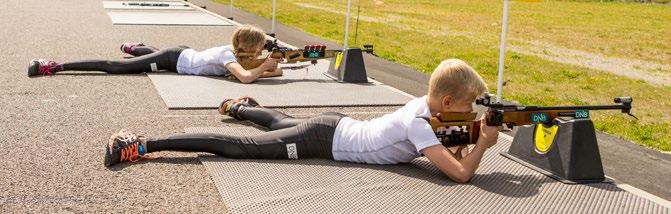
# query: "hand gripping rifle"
309 53
456 129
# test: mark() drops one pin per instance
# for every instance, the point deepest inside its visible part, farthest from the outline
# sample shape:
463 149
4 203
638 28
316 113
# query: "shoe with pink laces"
127 47
42 67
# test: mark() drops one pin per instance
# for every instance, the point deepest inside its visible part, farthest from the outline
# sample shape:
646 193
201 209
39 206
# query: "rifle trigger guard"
495 118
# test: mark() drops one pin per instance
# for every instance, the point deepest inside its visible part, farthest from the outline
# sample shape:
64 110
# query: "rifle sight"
271 45
486 100
623 100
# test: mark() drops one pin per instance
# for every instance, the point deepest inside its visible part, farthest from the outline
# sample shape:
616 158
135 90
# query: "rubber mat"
146 5
296 88
325 186
143 17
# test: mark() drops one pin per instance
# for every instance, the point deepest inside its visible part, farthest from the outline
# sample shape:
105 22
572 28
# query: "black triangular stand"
572 157
349 67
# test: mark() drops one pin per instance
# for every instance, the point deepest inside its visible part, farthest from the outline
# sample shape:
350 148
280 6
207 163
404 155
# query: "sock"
142 150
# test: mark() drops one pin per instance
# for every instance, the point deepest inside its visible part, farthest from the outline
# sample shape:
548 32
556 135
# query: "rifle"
457 129
309 53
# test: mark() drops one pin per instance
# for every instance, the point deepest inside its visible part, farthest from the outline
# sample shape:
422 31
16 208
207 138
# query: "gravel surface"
54 128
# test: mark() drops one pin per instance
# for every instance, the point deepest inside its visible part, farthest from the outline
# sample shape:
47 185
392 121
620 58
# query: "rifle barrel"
544 108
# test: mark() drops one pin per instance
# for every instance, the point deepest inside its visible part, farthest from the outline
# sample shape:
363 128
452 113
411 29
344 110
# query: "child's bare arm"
461 170
243 75
458 151
277 72
249 76
458 170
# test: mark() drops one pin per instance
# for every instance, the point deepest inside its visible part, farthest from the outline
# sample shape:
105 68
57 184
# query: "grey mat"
165 18
173 5
323 186
296 88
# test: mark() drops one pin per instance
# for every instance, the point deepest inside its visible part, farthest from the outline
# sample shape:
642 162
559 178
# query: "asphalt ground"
629 163
54 128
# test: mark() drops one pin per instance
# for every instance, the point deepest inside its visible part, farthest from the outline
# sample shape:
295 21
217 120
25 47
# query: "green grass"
619 1
424 32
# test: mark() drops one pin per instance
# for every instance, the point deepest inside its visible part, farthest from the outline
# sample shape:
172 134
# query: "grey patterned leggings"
288 138
147 59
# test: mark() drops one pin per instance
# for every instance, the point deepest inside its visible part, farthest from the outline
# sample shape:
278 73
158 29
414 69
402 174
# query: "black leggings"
289 138
147 59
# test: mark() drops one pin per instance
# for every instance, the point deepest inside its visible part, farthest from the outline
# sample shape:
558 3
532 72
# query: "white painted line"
644 194
395 89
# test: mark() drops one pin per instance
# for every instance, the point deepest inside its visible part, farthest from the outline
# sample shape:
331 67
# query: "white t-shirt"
393 138
210 62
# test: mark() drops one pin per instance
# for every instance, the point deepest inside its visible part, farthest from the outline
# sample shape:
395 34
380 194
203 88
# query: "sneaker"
230 107
41 67
127 47
124 146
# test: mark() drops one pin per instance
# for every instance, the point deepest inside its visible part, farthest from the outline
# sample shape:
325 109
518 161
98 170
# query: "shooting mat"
324 186
296 88
124 5
165 17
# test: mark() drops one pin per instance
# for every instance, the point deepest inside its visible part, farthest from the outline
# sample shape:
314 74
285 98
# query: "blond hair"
248 37
457 79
